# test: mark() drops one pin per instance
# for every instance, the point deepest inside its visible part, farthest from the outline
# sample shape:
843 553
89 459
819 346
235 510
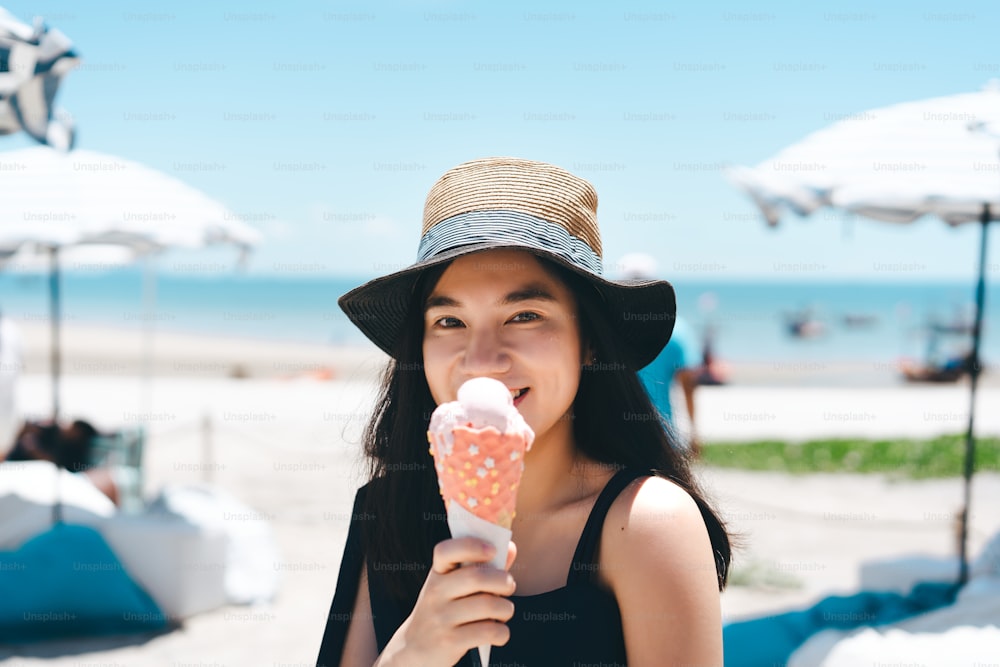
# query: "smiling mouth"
518 394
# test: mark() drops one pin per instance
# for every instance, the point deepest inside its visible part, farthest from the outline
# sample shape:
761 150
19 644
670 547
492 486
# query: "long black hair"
614 423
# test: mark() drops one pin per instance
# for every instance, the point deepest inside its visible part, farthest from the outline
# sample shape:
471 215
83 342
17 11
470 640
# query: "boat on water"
953 328
804 324
948 357
950 370
859 320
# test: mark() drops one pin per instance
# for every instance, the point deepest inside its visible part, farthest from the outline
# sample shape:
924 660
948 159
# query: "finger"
478 607
476 634
450 554
471 580
511 555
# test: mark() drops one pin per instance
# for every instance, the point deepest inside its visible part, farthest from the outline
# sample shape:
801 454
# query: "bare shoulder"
653 504
657 559
654 531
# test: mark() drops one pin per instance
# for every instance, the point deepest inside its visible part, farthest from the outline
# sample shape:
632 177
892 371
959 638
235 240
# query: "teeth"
514 393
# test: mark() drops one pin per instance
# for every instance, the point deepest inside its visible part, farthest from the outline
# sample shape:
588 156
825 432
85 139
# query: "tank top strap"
590 539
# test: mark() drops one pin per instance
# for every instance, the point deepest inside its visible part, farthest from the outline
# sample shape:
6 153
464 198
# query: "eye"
526 316
448 322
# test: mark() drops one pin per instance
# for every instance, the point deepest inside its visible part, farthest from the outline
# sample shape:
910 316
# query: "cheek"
436 369
438 351
560 352
564 345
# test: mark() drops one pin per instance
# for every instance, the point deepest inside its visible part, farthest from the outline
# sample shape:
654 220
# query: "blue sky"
323 124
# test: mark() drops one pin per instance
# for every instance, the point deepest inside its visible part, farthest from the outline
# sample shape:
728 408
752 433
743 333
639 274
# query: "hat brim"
641 311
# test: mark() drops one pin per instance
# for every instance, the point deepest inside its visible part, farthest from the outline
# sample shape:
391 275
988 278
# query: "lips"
518 395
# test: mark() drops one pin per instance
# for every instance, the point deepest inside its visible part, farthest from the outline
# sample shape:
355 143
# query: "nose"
485 354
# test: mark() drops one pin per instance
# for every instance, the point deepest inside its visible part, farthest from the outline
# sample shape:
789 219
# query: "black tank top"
579 623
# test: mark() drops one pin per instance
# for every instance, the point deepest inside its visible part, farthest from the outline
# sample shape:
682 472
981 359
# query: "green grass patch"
756 574
915 459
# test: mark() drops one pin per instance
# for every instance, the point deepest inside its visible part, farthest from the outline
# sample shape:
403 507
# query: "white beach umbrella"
934 157
85 197
895 164
53 202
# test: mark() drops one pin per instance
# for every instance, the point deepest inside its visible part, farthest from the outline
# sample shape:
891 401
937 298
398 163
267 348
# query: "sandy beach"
285 443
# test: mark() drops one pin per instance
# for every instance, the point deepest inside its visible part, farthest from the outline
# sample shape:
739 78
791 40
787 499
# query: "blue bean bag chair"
66 582
771 640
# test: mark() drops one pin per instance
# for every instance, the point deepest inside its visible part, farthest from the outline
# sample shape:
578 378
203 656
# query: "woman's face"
500 314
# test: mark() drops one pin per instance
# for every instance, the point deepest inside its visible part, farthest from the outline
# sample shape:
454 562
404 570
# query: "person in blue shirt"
679 361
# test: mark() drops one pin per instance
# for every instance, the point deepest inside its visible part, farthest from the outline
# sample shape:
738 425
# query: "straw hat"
503 202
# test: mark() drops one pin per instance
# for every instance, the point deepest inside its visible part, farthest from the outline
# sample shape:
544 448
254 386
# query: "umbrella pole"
974 370
148 316
56 361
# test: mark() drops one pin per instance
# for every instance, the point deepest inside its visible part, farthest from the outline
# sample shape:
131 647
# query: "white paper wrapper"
464 523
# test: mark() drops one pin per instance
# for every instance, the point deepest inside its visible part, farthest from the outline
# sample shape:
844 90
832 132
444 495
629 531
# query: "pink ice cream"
478 443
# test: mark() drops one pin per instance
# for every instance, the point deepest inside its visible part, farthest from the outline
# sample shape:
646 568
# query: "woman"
619 557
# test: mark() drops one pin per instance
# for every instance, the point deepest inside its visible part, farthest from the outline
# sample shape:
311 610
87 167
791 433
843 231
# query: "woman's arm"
360 647
657 558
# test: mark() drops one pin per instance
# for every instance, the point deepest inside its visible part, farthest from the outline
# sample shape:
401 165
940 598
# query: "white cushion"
28 492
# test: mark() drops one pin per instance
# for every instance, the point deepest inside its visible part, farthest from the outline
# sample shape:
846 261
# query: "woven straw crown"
537 189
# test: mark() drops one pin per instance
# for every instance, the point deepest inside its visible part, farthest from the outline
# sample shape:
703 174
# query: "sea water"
748 318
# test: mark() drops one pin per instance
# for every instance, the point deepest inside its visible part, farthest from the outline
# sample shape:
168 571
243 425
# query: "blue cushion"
67 582
770 641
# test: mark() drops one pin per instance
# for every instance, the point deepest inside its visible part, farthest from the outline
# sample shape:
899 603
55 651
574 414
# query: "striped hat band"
513 200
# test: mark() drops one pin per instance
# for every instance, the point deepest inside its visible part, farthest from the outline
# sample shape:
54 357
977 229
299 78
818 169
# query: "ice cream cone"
464 523
478 444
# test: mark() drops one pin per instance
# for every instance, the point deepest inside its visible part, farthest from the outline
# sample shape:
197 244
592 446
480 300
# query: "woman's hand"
459 608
